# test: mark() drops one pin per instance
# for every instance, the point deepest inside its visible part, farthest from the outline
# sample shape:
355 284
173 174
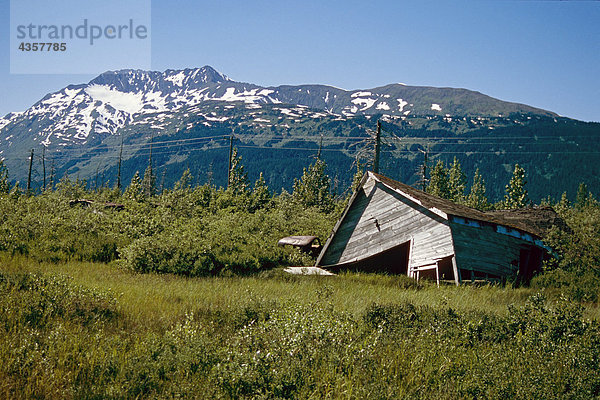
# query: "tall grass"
91 330
163 298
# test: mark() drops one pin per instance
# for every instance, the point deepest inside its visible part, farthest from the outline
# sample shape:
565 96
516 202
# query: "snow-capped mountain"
187 117
115 99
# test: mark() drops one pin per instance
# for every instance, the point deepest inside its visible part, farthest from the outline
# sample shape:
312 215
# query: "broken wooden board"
307 271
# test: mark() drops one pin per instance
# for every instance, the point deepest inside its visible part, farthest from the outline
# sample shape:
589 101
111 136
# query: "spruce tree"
457 182
134 191
71 189
438 181
477 197
563 204
185 182
149 182
15 192
261 196
583 196
4 182
313 188
516 194
238 179
358 176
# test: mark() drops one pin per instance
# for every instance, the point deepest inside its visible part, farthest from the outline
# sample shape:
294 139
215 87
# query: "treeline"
450 182
203 230
188 230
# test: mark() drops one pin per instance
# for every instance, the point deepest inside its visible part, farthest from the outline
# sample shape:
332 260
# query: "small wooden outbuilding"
307 244
392 227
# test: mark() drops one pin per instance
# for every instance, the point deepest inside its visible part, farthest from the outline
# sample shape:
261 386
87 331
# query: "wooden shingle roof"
535 221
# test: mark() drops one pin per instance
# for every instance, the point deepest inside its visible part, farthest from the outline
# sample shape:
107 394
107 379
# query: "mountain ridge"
114 96
80 128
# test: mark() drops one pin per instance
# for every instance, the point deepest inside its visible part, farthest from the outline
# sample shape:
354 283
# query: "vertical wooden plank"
410 272
457 277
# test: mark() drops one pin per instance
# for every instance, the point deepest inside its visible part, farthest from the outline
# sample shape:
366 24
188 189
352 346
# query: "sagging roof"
540 218
531 220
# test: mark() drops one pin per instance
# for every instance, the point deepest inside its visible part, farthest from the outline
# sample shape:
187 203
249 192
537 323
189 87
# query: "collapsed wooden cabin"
392 227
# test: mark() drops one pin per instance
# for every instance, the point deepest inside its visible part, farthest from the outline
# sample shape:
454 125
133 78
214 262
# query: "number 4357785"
26 46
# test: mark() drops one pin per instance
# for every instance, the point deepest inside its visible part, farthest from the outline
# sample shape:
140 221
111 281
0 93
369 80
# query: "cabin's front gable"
386 230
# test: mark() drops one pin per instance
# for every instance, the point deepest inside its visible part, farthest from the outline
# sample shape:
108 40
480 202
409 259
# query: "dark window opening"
428 274
446 269
465 274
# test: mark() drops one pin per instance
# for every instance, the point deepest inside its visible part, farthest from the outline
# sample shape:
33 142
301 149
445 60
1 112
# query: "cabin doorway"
393 261
530 263
441 270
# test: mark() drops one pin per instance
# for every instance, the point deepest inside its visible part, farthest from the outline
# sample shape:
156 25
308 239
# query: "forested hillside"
549 149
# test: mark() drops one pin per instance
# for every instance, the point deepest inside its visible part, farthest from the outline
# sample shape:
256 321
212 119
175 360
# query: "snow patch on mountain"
178 78
154 102
289 113
382 106
216 119
128 102
7 119
360 94
366 103
436 107
265 92
401 104
60 97
257 95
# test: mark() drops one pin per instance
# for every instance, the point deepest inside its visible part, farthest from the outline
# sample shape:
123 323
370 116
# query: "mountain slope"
111 100
189 114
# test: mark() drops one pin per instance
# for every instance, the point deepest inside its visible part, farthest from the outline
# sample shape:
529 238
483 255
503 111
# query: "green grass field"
93 330
159 297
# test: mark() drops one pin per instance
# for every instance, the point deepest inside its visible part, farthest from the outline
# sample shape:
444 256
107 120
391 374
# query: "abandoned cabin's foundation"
394 228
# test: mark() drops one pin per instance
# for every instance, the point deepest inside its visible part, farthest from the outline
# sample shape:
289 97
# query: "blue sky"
542 53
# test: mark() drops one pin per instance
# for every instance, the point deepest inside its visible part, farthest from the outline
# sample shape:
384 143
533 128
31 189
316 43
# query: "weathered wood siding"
483 249
432 245
379 219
